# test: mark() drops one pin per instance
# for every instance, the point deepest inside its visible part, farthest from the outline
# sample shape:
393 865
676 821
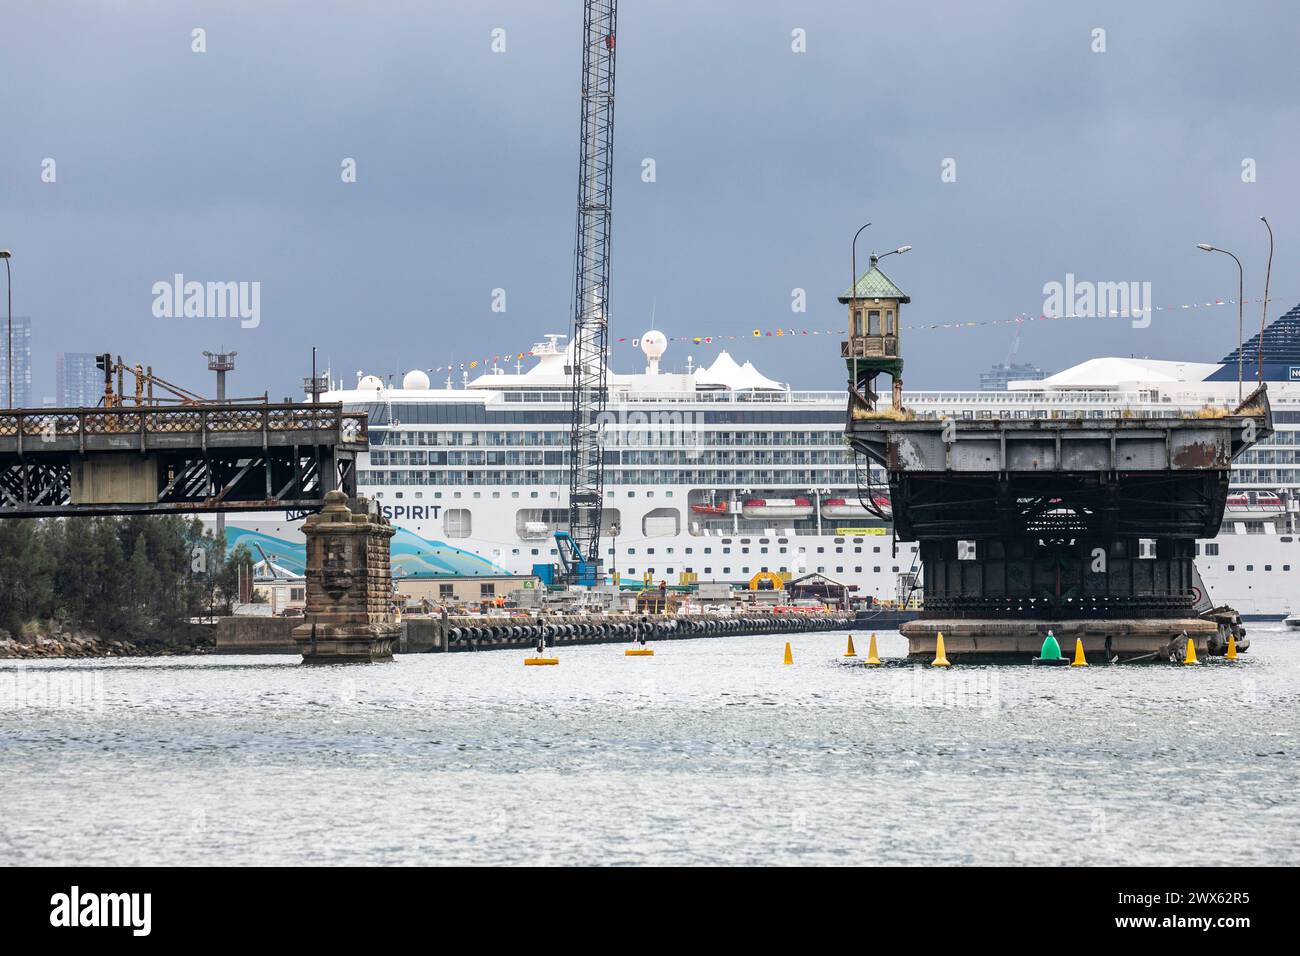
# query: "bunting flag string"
782 332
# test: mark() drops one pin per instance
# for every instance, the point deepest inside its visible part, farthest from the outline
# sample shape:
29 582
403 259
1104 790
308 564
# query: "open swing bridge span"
1060 518
183 459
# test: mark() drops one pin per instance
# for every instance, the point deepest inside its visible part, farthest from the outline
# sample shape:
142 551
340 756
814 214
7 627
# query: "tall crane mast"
591 289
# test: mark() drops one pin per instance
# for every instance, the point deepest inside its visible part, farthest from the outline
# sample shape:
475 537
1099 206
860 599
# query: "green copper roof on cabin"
874 284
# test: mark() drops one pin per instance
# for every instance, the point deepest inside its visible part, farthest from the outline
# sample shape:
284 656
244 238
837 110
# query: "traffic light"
104 363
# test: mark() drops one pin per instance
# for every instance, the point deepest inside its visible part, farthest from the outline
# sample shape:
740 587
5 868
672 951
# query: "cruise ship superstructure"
718 473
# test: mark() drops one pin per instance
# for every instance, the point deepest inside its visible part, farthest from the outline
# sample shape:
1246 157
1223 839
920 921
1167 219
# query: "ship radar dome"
654 344
415 380
370 382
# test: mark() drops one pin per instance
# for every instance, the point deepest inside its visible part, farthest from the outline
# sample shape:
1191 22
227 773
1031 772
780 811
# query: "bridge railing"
51 424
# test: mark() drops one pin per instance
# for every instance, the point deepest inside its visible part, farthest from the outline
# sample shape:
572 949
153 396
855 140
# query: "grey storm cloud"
225 166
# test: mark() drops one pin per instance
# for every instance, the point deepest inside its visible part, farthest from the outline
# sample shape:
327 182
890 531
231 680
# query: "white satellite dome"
415 380
369 383
654 344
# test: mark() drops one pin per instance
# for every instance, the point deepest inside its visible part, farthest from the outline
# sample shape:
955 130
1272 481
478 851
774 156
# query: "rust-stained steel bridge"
1056 519
188 458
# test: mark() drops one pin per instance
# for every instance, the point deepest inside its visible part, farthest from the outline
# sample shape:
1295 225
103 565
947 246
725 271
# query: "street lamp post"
6 255
853 298
1263 318
896 252
1241 284
613 561
853 282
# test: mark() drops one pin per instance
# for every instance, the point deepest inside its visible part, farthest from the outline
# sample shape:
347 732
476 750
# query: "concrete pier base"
1010 640
342 647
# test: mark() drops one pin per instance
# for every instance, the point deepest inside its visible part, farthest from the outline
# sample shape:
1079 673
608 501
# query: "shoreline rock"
75 644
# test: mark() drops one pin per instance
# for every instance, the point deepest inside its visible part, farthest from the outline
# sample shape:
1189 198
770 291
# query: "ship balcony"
870 346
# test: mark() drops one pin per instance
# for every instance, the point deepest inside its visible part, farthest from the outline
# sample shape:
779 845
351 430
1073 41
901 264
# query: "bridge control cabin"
872 348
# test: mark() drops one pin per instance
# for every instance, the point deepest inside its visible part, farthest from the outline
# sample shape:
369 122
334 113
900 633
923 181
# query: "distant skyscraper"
996 378
22 361
77 380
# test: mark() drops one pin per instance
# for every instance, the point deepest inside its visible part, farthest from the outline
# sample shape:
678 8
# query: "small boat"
1292 620
854 507
1256 502
777 508
710 508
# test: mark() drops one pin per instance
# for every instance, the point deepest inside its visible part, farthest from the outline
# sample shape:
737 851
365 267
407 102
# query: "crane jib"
590 343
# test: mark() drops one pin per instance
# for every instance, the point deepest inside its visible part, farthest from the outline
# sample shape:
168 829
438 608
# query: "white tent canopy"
725 373
1114 373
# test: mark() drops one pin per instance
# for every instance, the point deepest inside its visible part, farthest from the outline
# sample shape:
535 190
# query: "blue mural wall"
412 555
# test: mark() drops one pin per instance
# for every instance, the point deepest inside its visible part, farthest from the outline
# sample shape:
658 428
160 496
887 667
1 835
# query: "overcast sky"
225 166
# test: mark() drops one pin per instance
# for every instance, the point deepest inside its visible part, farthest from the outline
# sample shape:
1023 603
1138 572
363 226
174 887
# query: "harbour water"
711 752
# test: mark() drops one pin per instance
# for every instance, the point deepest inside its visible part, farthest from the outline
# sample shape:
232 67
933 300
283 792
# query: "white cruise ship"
718 473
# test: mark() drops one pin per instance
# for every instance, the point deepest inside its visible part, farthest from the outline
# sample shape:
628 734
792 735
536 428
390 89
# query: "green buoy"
1051 651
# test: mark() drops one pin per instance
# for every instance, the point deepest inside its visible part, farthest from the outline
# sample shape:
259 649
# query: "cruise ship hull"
1257 574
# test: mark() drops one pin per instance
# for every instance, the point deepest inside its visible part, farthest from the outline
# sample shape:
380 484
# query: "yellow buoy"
1079 659
640 652
1232 648
940 658
872 657
789 656
850 652
1190 657
535 661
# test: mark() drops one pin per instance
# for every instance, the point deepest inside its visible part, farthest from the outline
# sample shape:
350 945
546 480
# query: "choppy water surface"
711 752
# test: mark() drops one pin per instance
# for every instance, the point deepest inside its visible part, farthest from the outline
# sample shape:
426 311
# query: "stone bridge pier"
349 613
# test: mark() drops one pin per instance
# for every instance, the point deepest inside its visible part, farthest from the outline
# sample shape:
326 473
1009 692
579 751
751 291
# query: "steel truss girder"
188 481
